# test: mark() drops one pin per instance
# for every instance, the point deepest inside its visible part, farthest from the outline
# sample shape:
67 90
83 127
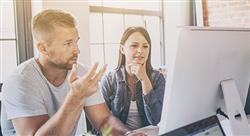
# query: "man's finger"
92 71
100 73
73 73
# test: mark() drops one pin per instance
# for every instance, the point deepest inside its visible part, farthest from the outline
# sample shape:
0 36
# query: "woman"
134 91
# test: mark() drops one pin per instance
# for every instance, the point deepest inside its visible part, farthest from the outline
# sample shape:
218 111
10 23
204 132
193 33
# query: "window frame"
23 36
123 11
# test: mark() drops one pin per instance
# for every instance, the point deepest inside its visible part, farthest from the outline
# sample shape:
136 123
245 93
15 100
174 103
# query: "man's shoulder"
26 67
24 73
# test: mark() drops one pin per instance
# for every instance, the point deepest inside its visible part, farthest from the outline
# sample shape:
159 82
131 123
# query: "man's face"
63 50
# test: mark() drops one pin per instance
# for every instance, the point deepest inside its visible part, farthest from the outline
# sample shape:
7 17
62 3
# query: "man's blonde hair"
44 23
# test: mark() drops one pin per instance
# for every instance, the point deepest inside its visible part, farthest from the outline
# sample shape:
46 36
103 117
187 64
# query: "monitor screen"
204 58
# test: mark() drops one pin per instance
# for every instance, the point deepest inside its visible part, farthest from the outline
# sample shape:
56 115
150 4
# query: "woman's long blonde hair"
125 36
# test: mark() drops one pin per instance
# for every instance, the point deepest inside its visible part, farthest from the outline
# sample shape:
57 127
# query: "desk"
149 130
153 130
226 126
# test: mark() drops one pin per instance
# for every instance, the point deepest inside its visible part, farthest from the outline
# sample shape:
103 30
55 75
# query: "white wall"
176 13
80 10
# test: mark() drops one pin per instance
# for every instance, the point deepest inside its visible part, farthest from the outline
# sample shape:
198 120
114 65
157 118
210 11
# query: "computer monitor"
247 104
205 57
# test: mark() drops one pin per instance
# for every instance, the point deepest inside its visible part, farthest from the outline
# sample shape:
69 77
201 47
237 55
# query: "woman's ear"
122 49
42 48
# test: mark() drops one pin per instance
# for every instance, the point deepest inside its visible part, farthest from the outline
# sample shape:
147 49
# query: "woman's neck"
128 70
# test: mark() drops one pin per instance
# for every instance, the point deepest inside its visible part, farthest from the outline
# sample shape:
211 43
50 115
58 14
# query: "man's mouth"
74 58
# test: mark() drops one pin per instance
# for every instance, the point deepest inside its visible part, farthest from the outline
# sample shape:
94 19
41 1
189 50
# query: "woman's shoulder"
156 72
157 75
111 75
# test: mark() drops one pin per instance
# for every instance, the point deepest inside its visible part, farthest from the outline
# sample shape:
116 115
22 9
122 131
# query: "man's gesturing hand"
82 87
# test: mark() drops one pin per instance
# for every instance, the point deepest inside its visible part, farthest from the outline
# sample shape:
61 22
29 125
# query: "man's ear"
42 48
122 49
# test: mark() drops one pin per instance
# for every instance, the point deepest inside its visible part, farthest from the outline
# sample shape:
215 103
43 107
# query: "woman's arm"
154 99
105 88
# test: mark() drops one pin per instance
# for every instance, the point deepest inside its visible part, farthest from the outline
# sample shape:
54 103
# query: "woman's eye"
145 46
133 45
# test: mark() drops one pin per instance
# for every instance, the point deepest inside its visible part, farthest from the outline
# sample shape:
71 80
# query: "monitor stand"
235 111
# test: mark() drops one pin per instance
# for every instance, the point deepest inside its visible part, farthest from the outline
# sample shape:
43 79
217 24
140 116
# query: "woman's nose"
139 50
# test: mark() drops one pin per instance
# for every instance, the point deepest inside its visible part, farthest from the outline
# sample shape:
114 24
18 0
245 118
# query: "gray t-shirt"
28 93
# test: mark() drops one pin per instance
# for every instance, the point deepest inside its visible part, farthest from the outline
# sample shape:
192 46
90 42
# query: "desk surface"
149 130
226 126
153 130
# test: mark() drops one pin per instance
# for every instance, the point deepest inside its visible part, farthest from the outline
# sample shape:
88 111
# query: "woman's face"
135 49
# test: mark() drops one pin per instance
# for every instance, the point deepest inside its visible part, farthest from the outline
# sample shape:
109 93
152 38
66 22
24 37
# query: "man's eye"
68 44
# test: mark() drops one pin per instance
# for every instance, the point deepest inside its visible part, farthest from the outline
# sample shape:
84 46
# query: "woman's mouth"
139 57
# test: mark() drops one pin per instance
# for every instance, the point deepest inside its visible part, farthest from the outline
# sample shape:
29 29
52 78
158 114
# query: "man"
46 95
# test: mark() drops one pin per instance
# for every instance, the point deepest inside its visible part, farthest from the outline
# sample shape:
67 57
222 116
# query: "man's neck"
54 75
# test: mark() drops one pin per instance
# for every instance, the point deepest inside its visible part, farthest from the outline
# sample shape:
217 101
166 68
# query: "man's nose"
76 50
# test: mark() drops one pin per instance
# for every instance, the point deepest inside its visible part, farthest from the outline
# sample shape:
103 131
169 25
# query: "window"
16 43
8 39
108 20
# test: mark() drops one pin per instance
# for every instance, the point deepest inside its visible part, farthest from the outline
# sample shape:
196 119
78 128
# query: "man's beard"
65 66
